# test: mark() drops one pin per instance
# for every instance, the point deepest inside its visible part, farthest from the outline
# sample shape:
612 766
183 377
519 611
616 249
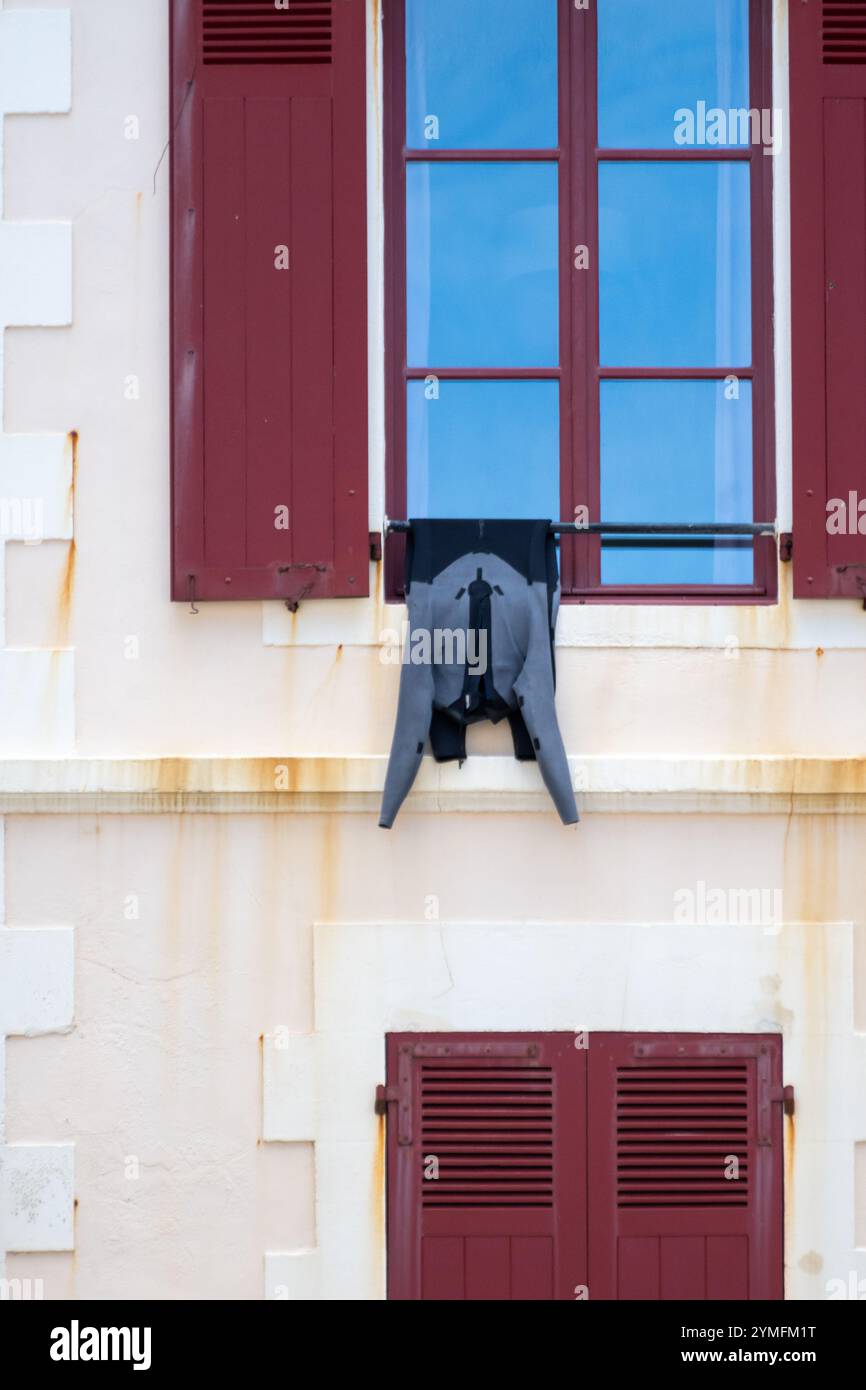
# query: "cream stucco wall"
192 865
200 1146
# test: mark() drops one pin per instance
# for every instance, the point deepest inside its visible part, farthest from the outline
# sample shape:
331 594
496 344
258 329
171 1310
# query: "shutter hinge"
768 1096
786 547
376 545
399 1095
385 1096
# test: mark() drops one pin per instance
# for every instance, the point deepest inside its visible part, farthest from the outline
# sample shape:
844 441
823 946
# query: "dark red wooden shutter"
668 1114
501 1119
828 250
269 374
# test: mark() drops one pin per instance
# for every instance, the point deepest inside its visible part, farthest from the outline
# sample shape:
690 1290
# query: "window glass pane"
676 451
481 265
658 59
674 264
481 74
484 449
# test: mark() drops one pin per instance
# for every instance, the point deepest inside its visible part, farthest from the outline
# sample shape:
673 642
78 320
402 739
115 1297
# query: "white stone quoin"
36 687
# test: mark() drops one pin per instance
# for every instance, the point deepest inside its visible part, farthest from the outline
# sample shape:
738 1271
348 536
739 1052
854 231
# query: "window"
602 1165
578 205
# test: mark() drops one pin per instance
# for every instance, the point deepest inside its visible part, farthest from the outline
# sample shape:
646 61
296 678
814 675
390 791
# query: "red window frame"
579 372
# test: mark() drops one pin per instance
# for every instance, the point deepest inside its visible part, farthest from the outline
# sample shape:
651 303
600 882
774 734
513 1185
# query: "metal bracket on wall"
859 579
293 603
786 547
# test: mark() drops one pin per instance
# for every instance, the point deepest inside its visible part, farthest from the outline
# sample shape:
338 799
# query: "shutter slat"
667 1110
467 1110
843 32
256 32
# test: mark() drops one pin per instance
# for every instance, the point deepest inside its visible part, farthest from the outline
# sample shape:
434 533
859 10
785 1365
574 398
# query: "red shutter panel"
269 377
828 252
685 1167
486 1166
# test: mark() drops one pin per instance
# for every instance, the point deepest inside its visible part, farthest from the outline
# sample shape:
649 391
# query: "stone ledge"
677 785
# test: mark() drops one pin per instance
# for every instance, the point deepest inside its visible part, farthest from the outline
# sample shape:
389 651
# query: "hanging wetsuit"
483 598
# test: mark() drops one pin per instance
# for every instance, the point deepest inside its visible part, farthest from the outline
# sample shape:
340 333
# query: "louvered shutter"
486 1167
828 248
685 1167
269 382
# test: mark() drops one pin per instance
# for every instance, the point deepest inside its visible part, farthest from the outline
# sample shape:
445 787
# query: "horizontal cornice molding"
638 785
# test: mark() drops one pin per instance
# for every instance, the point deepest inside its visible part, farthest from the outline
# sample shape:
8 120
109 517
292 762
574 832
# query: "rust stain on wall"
219 846
179 777
72 437
328 869
790 1157
64 598
260 1091
784 609
73 1253
859 968
377 1204
174 915
811 1262
811 871
67 583
172 774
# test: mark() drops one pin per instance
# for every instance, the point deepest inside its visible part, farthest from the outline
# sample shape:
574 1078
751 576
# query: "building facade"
211 955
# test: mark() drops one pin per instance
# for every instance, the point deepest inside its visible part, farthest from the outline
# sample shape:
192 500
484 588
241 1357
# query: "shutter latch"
784 1096
858 578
